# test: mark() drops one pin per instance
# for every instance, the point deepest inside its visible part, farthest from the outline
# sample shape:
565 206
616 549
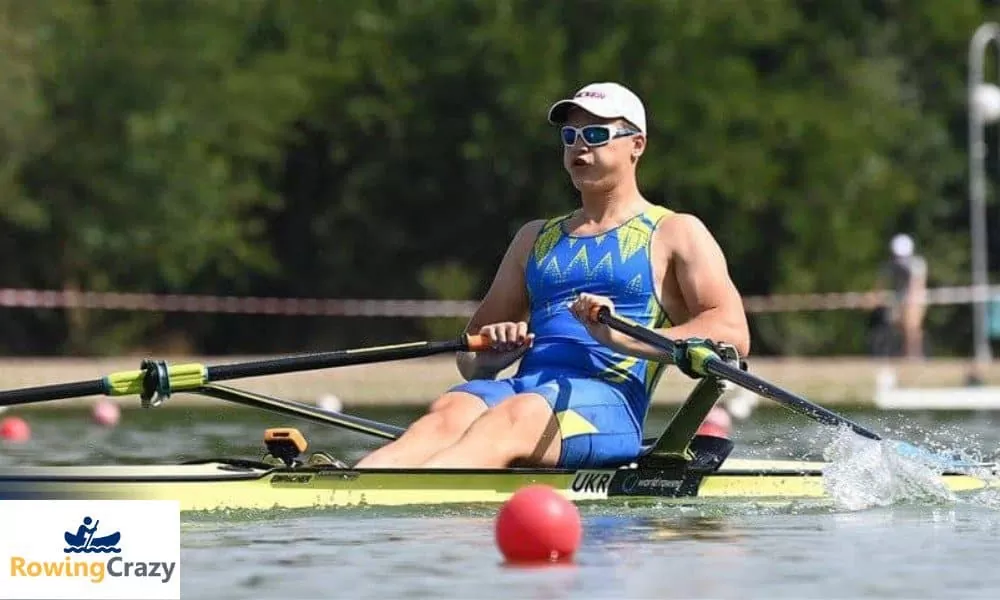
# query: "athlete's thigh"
595 423
491 391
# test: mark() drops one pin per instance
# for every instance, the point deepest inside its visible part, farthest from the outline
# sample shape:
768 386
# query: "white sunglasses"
595 135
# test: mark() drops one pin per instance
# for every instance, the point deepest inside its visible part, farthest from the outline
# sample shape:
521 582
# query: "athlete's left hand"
585 308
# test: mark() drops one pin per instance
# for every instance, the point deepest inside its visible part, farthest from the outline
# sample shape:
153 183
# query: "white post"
980 113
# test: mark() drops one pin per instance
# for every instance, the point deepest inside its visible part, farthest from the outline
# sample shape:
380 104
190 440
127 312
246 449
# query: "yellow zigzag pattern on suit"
547 238
581 258
619 372
633 238
559 258
659 319
571 423
552 269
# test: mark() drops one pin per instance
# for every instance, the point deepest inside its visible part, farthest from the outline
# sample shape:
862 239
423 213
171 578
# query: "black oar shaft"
723 370
157 376
789 400
337 358
58 391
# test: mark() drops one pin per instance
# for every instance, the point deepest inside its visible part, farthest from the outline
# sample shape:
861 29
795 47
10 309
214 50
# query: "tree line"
391 148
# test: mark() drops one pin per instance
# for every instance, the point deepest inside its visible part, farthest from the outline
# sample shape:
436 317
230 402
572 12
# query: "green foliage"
21 114
447 281
333 149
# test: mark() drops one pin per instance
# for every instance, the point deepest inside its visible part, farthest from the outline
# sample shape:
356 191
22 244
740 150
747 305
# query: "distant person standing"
904 276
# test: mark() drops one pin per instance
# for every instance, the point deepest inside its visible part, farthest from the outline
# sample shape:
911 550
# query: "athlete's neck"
614 204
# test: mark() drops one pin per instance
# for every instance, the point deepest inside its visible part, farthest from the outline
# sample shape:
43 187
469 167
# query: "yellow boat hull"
248 485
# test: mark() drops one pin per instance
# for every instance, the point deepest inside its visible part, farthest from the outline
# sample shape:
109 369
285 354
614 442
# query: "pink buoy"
106 413
14 429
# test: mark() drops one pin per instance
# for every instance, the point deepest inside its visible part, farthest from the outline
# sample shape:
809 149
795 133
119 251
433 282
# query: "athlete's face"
614 148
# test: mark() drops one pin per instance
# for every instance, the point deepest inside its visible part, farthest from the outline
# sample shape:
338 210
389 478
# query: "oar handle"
713 365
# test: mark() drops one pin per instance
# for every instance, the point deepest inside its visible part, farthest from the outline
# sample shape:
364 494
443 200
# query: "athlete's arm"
701 275
711 297
504 306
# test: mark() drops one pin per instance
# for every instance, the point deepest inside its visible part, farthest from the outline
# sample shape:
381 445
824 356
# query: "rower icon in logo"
84 540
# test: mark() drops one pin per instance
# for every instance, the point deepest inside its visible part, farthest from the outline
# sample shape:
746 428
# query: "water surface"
921 546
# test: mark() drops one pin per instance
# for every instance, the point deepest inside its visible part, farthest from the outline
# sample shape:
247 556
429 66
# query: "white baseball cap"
604 99
902 245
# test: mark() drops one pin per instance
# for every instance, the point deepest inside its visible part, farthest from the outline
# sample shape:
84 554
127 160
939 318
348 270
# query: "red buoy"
718 423
14 429
538 525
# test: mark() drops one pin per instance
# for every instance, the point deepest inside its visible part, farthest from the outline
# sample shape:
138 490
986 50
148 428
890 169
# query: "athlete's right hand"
509 341
508 336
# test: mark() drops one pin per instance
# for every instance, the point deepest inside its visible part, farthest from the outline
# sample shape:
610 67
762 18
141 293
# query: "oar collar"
155 383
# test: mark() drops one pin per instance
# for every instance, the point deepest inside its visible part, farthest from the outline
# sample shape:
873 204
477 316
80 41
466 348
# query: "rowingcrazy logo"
132 551
85 541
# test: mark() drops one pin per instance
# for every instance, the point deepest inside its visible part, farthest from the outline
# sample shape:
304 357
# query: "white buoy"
330 402
741 404
986 98
885 380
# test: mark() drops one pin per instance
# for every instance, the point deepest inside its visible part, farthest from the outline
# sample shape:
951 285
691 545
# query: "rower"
580 389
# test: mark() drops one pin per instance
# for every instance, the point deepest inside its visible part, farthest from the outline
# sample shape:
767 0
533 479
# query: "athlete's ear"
638 146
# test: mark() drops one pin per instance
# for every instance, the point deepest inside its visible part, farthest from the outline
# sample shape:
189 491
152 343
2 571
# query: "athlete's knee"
433 425
450 415
458 401
443 403
519 423
522 409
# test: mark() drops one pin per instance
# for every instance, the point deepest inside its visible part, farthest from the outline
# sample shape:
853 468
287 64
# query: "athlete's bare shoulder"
530 229
524 240
680 231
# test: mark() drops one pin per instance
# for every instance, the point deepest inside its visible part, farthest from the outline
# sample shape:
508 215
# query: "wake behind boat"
678 466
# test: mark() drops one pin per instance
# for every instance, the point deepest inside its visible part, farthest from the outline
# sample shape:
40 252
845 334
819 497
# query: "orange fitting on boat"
282 436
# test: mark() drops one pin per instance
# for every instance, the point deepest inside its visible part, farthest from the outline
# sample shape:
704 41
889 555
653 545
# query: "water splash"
864 473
